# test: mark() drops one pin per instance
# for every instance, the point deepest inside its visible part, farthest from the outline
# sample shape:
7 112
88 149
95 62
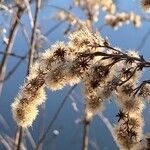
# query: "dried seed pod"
145 5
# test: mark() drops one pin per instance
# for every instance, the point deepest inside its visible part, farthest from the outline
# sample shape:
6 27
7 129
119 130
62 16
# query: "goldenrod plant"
103 71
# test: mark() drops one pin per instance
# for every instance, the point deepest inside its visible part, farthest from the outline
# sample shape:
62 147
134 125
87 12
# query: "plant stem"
7 51
19 138
33 37
86 126
31 56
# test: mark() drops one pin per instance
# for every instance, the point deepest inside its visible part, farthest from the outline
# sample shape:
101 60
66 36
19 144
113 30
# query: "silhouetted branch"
13 54
31 56
33 37
121 56
143 41
12 71
12 35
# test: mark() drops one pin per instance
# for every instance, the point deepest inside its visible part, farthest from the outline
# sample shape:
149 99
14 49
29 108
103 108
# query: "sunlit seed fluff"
68 17
23 114
94 105
47 59
144 144
137 21
103 90
145 5
37 99
88 92
60 52
34 70
53 56
99 72
85 40
141 145
107 90
72 76
134 54
34 85
89 114
119 19
127 101
145 92
129 131
108 6
94 8
56 78
130 75
131 68
134 105
58 45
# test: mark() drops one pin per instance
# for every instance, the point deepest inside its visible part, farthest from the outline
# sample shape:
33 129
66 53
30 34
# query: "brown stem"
122 56
12 71
12 54
144 40
33 37
19 138
86 125
31 56
12 35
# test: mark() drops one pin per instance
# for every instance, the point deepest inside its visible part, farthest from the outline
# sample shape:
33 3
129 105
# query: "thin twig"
31 56
143 41
12 54
12 35
29 12
137 89
33 37
53 28
25 33
5 143
12 71
122 56
85 140
19 138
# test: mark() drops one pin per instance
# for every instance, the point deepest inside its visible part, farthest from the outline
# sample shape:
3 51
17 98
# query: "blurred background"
66 132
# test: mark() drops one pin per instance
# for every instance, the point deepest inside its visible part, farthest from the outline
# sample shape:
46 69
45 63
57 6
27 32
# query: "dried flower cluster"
144 144
94 6
72 20
104 72
91 8
60 65
119 19
31 95
66 16
145 5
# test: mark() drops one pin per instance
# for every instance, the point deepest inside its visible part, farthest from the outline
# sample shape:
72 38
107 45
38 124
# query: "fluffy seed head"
23 113
84 40
56 79
145 92
94 105
145 5
129 131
